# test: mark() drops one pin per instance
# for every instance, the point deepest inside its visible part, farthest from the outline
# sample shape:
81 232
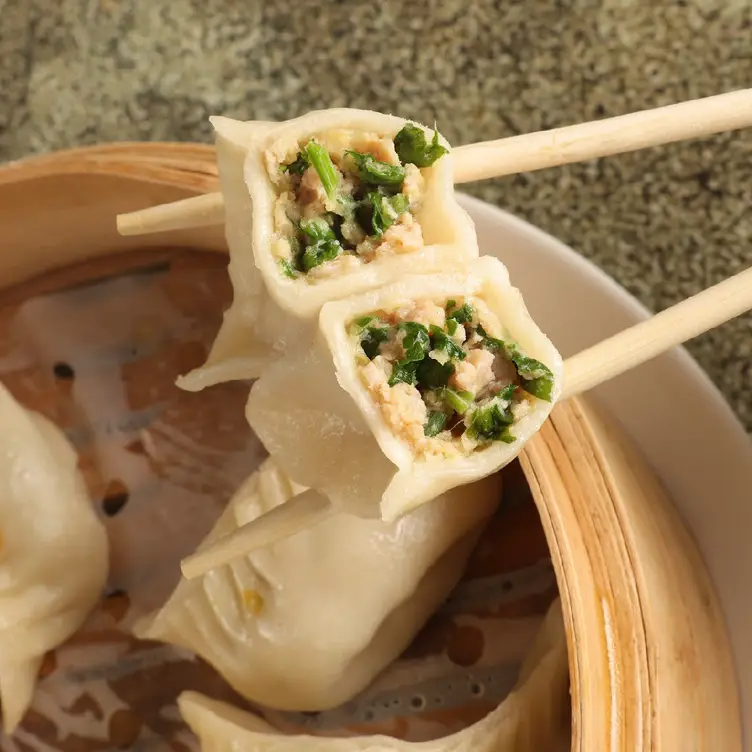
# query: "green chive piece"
491 423
416 342
431 374
360 324
535 377
375 172
412 147
462 315
319 158
299 166
458 401
386 210
542 387
404 372
288 269
435 423
316 229
440 341
372 338
318 253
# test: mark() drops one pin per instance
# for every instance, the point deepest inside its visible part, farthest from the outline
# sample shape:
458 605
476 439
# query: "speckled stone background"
665 222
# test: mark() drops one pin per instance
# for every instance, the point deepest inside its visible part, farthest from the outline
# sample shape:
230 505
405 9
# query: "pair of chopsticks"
526 153
508 156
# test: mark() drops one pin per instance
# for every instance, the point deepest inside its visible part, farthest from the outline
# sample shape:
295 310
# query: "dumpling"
53 550
343 599
409 390
345 200
329 204
531 718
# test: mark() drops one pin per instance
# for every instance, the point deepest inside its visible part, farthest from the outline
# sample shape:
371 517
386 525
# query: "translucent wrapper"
268 307
53 555
342 599
350 453
528 720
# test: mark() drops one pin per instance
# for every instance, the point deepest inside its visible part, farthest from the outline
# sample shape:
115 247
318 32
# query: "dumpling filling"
446 379
347 197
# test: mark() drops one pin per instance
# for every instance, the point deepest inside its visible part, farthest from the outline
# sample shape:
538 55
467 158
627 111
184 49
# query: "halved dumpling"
532 718
308 622
53 550
444 376
345 200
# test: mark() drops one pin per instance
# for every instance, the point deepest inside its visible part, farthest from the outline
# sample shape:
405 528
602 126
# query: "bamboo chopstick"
527 153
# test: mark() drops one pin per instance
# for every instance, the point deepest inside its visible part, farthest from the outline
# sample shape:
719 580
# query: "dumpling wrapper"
53 550
253 329
530 719
270 308
349 453
342 599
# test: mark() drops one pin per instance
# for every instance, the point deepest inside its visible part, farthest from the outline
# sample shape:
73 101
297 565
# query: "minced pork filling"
346 197
445 380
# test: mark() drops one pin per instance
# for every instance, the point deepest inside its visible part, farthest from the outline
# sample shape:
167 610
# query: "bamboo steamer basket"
650 663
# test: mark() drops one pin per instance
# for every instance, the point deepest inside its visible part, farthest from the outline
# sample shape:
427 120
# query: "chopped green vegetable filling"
316 254
535 377
431 374
431 357
460 402
372 338
462 315
299 166
288 269
360 324
320 160
435 423
441 341
412 147
416 342
321 243
317 229
385 210
492 422
404 372
375 172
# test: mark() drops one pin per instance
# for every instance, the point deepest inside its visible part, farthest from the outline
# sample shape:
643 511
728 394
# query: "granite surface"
665 222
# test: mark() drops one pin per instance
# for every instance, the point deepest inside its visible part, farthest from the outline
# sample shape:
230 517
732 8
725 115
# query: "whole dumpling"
53 550
343 598
532 718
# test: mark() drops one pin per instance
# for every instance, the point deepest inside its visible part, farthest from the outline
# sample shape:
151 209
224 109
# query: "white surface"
669 406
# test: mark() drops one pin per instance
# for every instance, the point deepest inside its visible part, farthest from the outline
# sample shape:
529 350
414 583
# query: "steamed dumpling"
293 248
53 550
531 719
343 599
410 390
346 200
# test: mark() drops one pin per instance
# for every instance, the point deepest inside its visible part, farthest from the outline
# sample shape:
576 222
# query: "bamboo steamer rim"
650 661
